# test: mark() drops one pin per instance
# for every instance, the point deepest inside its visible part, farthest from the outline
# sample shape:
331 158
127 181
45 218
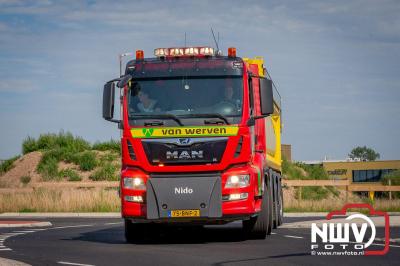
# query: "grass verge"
7 165
57 200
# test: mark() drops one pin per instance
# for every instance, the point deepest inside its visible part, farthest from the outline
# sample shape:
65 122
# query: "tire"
134 233
275 201
257 227
270 206
280 207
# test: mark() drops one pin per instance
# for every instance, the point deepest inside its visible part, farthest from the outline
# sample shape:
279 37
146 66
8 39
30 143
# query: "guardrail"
344 184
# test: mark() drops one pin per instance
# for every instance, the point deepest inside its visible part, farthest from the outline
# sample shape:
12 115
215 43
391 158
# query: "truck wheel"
134 233
275 201
270 206
280 216
257 227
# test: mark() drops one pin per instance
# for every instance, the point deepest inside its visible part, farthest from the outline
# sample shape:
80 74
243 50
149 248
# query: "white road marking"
71 226
72 263
293 236
376 244
395 240
4 236
112 223
273 233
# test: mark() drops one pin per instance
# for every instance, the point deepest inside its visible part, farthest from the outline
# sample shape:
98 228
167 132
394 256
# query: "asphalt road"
99 241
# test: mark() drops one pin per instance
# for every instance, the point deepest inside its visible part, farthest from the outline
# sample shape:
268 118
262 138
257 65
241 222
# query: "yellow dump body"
273 126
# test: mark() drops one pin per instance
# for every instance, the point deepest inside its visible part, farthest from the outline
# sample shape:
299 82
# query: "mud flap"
165 194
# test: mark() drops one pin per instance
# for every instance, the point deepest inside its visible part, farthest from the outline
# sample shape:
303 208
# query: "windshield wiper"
154 123
211 115
159 116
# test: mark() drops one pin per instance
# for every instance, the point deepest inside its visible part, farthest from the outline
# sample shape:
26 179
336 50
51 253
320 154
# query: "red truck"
200 141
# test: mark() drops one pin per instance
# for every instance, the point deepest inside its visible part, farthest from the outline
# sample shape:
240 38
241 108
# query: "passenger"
228 95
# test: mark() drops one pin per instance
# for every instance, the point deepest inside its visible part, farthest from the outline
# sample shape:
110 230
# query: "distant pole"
390 192
120 57
120 65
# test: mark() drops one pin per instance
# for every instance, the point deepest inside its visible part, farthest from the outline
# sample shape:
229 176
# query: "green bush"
108 157
48 168
111 145
291 171
107 172
301 171
294 171
7 165
86 160
313 193
70 174
25 179
316 172
29 145
49 141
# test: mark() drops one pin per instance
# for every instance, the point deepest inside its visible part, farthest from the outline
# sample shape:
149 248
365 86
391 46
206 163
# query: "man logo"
185 155
184 141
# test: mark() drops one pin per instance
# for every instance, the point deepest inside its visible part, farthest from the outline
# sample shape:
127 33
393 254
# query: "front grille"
185 151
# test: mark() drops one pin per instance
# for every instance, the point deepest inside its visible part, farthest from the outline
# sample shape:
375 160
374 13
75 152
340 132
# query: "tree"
364 154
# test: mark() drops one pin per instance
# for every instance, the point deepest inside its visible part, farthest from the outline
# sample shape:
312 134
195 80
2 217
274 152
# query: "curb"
322 214
28 224
63 214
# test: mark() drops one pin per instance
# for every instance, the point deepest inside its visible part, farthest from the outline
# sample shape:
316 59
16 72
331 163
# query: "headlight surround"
134 183
237 181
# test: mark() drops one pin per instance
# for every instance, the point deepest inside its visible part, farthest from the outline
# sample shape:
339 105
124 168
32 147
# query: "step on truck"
200 141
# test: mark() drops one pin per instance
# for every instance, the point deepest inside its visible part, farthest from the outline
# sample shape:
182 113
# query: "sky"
335 63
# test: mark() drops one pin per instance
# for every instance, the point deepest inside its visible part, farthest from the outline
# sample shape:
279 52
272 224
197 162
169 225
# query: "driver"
229 93
147 104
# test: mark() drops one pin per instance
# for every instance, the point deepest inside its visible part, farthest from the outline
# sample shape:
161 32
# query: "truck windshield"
186 100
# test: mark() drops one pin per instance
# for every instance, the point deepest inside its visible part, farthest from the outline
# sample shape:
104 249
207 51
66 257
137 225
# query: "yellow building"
356 171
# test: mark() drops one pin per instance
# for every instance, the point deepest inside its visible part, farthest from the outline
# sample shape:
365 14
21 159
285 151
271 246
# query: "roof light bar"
175 51
159 52
184 51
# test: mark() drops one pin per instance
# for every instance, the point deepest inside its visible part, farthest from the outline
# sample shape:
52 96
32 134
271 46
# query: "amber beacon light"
232 52
139 55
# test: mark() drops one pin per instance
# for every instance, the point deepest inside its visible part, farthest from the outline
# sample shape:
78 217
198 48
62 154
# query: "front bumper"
220 210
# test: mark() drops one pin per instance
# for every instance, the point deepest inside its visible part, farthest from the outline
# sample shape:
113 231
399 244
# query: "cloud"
18 86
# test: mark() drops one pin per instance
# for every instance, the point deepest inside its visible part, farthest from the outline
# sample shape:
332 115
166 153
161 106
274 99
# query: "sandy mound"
24 166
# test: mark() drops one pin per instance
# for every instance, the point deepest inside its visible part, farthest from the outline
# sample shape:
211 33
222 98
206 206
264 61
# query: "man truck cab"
200 141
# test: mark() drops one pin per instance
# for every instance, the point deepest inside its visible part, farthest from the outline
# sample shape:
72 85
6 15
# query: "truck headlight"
237 181
134 183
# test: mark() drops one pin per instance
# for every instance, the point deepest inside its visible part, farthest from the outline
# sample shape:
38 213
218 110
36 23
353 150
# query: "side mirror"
108 100
124 80
266 97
